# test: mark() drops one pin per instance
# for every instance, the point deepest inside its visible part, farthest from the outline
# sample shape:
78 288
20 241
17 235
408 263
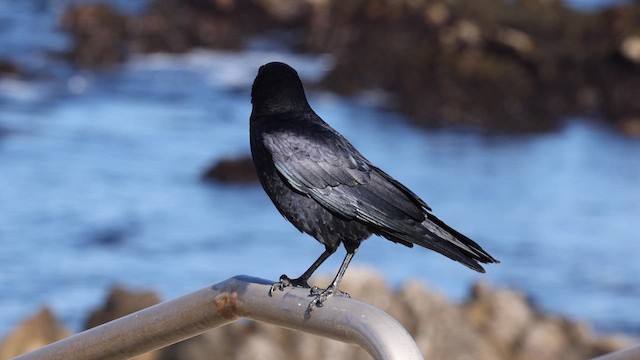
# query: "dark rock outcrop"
237 170
503 65
10 69
100 34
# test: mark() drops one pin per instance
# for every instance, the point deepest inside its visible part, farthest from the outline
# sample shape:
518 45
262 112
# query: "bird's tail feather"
465 250
444 239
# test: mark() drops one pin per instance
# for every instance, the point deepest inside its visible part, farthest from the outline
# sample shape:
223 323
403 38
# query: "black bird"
327 189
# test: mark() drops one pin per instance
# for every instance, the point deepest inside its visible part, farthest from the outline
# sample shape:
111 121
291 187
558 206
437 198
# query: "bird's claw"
285 281
322 295
282 283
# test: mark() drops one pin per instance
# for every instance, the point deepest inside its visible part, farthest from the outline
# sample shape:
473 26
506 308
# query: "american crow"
327 189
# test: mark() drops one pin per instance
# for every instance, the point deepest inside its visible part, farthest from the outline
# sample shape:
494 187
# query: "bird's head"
277 89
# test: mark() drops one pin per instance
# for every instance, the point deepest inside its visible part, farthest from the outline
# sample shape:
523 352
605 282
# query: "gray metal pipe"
631 353
172 321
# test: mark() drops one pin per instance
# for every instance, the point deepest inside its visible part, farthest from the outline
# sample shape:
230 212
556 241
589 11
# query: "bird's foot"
285 281
323 294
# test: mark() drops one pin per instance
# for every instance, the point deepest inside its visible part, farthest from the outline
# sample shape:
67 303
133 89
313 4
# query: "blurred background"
518 122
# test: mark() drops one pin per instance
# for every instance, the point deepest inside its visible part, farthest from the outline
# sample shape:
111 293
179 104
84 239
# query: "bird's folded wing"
316 162
334 174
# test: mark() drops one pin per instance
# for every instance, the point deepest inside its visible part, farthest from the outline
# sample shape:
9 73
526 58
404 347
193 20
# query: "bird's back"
305 213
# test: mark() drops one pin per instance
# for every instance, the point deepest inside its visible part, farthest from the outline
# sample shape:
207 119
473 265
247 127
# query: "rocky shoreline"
507 66
492 324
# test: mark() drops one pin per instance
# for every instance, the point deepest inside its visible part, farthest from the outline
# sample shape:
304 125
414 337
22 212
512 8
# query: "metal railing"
632 353
172 321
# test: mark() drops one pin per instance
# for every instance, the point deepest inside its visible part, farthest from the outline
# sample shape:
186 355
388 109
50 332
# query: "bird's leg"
322 295
285 281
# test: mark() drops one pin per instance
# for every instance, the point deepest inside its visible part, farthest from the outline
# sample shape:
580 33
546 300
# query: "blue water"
99 184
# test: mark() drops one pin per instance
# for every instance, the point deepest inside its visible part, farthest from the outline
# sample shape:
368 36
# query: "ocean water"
100 185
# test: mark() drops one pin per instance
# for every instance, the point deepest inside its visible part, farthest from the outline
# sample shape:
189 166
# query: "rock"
178 26
629 126
501 315
219 343
260 347
516 40
237 170
173 26
505 66
35 332
437 14
10 69
99 32
517 330
441 331
630 48
547 340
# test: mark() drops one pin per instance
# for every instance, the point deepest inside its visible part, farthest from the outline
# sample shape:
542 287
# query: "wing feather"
331 171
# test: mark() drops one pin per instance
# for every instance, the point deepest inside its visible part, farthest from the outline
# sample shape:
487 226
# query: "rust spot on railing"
227 304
